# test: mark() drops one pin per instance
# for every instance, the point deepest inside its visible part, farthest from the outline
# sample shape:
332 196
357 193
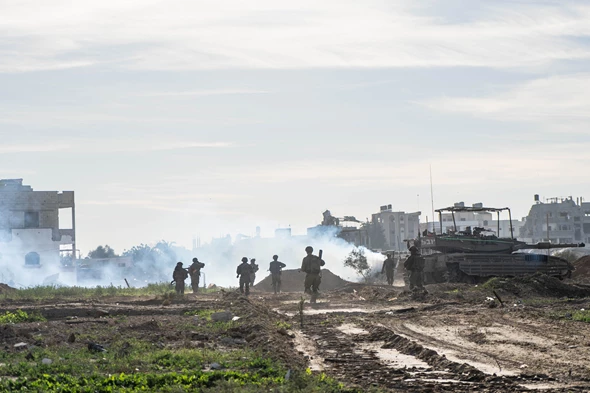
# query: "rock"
233 341
46 361
223 316
216 366
97 313
72 338
20 346
93 347
198 336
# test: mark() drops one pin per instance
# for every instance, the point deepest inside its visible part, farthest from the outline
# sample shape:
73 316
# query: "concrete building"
559 220
30 232
397 226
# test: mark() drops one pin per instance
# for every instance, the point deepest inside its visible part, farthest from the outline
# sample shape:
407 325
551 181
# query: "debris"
93 347
522 366
491 302
46 361
498 296
72 338
216 366
20 346
223 316
288 375
97 313
400 311
235 318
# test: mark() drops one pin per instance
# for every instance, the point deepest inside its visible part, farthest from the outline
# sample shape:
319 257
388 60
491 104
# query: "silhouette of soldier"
415 265
388 268
312 266
178 276
243 272
275 271
254 267
194 271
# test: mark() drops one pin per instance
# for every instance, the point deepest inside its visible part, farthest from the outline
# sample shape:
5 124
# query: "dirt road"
453 339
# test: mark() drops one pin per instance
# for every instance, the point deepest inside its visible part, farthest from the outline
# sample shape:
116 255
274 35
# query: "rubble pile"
538 285
5 288
292 281
582 266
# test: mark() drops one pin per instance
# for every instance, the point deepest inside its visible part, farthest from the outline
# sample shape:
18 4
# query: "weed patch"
20 316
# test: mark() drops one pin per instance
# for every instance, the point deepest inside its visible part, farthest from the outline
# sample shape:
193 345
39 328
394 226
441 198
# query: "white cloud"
189 35
204 93
556 99
33 148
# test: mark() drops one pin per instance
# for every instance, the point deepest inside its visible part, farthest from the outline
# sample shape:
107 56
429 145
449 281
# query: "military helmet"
275 257
195 259
253 260
179 264
244 259
309 249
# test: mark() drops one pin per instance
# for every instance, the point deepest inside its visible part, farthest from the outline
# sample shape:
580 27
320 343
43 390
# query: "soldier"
244 272
312 266
415 265
254 268
388 268
179 276
275 271
194 271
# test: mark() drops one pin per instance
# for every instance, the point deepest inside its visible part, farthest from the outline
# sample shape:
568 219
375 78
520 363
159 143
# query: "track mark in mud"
366 354
306 346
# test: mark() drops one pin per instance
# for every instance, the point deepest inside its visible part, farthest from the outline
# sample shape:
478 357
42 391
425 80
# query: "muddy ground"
455 338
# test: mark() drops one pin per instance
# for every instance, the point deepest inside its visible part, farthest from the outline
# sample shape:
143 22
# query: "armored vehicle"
472 255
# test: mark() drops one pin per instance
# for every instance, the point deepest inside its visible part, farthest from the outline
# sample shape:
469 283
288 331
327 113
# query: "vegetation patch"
20 316
581 315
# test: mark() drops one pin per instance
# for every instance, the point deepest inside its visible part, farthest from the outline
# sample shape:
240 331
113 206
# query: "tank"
473 255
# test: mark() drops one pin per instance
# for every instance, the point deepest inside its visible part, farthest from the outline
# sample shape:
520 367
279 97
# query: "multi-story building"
30 232
558 220
397 226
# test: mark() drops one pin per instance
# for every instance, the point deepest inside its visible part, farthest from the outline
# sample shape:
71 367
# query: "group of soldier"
414 264
311 266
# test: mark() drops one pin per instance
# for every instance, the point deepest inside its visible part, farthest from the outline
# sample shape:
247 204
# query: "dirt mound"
292 281
538 284
582 266
5 288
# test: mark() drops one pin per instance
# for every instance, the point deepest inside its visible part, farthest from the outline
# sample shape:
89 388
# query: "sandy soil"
449 340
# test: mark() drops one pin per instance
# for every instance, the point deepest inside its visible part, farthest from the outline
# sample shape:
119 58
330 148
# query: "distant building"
397 227
558 220
30 232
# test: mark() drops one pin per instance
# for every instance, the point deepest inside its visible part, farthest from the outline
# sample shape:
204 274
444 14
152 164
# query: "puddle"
349 328
307 346
392 357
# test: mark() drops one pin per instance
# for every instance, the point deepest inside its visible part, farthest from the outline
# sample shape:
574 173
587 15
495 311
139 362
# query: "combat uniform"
275 271
244 271
388 268
254 268
415 265
312 266
194 271
179 276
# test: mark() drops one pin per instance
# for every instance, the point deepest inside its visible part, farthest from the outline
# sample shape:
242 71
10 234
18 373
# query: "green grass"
20 316
203 314
58 292
131 366
283 325
582 316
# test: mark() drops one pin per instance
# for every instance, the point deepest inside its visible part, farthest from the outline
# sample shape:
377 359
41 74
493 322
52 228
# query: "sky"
175 119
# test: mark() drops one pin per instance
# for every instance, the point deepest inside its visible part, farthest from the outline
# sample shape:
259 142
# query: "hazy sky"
178 118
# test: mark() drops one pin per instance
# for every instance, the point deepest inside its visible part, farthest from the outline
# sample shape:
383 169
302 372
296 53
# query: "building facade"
30 233
397 227
558 220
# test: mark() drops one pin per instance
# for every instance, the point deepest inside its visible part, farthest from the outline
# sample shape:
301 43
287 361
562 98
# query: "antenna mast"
432 201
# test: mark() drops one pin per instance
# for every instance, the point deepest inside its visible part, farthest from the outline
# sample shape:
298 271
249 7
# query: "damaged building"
30 232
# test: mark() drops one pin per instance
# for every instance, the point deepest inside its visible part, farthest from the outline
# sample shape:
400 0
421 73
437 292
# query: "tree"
358 262
376 235
152 263
102 252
